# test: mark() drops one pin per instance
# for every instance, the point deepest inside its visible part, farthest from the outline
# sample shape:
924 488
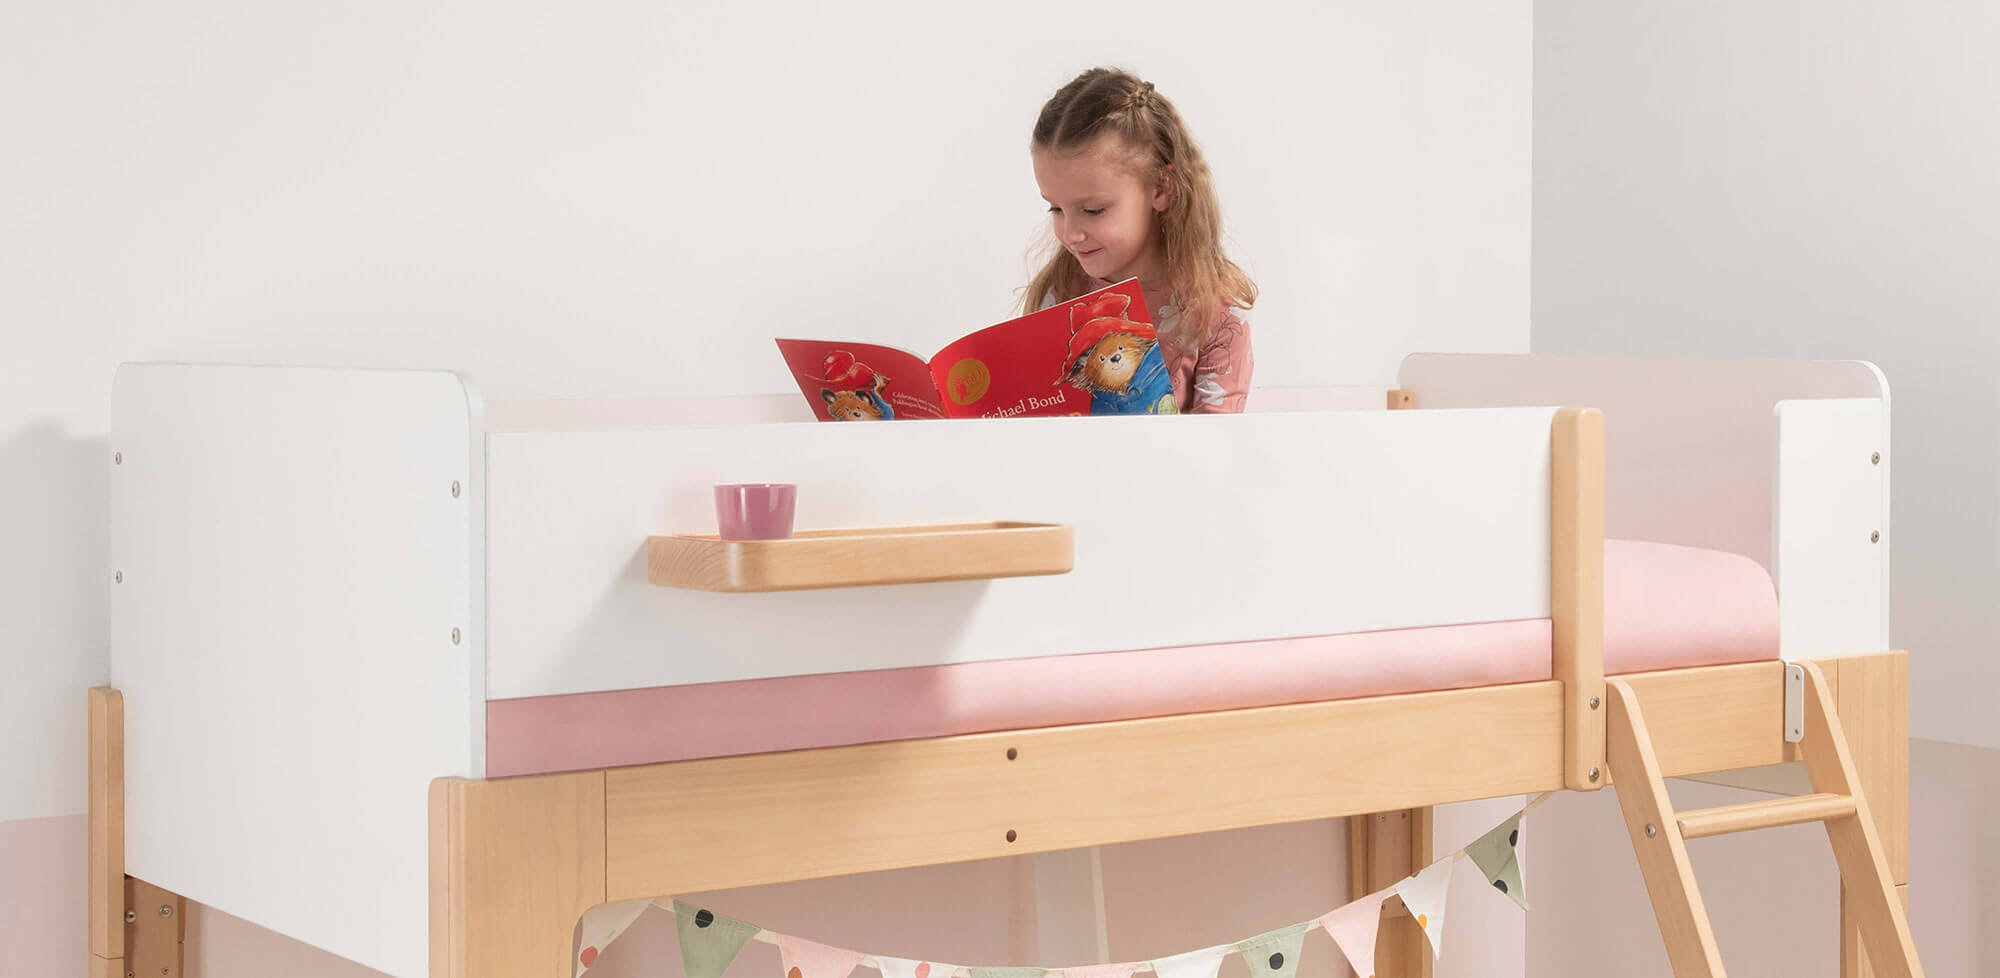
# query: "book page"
861 381
1096 354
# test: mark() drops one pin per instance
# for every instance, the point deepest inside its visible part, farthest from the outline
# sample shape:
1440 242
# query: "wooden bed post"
514 864
1387 846
107 833
1576 589
1873 699
135 928
1383 848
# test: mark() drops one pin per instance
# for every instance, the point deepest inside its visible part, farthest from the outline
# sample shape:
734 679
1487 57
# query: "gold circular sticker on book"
967 381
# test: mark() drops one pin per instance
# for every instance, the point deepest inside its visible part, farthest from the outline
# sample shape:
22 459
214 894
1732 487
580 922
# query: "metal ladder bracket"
1795 703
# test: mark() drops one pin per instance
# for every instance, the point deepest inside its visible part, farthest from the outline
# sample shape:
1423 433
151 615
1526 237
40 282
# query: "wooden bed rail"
515 862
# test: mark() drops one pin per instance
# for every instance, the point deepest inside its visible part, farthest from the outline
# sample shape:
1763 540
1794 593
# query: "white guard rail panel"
1189 530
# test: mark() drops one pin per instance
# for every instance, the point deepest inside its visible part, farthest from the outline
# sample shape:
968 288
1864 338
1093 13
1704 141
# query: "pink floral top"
1214 379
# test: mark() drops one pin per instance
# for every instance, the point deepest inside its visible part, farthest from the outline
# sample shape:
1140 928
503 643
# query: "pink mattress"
1665 607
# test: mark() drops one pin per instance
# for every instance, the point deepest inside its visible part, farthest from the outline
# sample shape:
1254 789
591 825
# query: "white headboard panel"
296 631
1188 531
1690 444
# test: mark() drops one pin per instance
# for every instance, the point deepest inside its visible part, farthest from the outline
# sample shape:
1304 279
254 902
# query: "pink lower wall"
41 896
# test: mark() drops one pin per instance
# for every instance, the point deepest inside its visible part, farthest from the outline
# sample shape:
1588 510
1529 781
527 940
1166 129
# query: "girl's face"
1104 213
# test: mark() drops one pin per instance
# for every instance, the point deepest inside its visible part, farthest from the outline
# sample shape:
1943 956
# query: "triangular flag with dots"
1123 970
709 941
602 925
1192 964
1275 954
1497 854
907 968
1353 929
805 959
1424 894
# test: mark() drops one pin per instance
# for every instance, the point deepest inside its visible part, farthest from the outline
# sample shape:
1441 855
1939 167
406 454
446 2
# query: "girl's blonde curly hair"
1156 140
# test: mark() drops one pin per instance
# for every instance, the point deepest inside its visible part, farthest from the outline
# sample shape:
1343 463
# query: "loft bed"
419 680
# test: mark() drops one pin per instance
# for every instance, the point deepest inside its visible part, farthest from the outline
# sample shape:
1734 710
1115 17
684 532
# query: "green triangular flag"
1275 954
709 941
1008 972
1495 854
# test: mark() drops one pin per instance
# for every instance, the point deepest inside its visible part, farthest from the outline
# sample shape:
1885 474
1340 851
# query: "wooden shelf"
861 556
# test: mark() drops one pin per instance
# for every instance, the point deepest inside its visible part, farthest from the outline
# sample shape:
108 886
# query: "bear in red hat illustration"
1116 359
852 390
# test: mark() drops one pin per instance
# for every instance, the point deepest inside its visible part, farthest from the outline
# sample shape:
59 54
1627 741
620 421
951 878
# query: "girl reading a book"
1130 196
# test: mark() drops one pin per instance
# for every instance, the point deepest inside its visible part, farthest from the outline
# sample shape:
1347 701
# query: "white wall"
632 198
1769 178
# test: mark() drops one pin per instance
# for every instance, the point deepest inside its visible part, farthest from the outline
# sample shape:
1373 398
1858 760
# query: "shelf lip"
861 556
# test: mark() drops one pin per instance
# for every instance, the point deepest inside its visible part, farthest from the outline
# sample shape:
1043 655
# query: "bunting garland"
906 968
805 959
601 926
710 941
1104 970
1275 954
1192 964
1425 894
1495 854
1353 929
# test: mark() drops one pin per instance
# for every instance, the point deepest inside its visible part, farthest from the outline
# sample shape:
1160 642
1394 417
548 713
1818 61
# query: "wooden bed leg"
135 928
1873 700
1381 849
514 864
106 924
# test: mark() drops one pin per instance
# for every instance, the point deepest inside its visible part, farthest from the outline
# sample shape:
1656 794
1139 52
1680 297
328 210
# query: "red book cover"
1097 354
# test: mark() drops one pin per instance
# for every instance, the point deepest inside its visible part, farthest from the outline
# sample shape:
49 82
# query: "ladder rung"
1763 814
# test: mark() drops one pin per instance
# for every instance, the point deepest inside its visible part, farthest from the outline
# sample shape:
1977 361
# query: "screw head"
1593 702
1875 536
1652 830
454 488
118 577
131 915
117 458
1875 459
1012 753
166 910
1010 835
455 636
1593 775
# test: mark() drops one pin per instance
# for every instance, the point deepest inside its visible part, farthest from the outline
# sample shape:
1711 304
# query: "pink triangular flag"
804 959
1353 929
1100 971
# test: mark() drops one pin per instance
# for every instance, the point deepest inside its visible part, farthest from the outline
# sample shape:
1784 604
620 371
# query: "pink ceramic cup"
755 510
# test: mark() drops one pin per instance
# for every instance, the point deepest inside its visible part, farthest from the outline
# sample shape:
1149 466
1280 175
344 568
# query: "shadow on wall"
54 630
56 525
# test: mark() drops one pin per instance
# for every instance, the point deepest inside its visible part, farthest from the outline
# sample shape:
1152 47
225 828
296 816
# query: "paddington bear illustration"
852 391
1116 359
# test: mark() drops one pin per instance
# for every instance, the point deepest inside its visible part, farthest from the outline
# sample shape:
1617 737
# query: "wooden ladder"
1659 835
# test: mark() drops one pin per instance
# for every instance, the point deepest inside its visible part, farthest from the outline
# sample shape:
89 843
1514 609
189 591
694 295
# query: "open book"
1096 354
